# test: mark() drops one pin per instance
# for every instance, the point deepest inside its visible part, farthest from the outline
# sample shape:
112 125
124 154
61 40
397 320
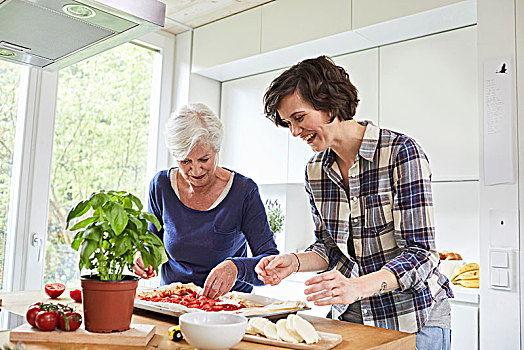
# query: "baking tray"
248 312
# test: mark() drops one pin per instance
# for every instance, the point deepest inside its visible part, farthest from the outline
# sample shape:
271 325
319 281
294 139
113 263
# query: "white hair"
190 125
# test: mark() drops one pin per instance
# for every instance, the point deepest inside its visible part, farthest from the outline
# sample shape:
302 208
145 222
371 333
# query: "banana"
470 275
469 283
462 269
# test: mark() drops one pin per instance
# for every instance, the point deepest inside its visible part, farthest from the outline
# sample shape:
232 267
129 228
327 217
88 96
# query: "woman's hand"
140 269
220 280
333 288
273 269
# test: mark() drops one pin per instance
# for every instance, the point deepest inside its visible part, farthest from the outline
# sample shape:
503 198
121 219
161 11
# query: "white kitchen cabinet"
229 39
252 144
464 325
456 209
362 68
428 90
369 12
289 22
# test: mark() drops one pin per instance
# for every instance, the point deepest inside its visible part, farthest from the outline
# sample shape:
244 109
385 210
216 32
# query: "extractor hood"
52 34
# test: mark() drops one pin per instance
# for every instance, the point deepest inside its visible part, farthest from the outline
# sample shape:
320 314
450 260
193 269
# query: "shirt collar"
367 148
370 141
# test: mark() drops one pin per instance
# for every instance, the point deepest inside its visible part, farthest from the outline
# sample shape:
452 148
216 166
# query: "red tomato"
76 295
31 313
46 320
54 290
70 321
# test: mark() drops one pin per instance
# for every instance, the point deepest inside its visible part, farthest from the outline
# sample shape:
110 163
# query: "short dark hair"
320 82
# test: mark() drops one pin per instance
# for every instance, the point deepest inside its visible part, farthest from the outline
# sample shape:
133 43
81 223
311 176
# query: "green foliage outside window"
100 142
9 83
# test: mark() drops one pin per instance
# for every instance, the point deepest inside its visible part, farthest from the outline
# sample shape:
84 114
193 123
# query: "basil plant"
111 228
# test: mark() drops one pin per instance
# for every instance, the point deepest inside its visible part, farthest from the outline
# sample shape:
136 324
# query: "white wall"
500 317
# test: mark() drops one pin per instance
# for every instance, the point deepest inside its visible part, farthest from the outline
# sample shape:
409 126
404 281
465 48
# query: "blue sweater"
196 241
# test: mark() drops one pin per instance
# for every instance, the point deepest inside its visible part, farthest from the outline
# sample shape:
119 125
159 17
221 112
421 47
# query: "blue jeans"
433 338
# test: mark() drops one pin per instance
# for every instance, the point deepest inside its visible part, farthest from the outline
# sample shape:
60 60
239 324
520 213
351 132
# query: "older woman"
209 214
370 195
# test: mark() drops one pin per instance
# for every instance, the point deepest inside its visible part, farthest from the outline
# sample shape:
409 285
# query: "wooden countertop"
356 337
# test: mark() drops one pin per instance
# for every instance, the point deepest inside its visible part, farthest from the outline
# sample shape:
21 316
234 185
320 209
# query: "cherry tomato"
54 290
46 320
70 321
76 295
31 313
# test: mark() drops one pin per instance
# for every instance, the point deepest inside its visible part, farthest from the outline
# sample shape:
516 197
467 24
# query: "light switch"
504 278
494 277
499 259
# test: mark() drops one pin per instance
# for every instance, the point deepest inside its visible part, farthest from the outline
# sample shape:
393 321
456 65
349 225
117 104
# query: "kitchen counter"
465 295
355 336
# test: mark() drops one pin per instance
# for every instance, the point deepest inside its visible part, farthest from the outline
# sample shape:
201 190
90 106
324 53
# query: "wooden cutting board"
137 335
327 341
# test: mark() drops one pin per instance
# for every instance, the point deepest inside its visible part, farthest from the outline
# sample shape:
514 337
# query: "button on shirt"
390 210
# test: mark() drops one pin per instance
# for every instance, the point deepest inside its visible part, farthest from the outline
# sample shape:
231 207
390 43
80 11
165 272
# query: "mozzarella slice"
290 325
270 331
257 324
306 330
250 329
283 333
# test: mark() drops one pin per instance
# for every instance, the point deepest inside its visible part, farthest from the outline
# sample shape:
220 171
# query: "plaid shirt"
388 213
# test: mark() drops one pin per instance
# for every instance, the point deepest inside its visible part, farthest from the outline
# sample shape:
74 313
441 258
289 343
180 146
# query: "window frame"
29 198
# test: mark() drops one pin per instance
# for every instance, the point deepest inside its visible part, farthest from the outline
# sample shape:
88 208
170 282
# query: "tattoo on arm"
383 287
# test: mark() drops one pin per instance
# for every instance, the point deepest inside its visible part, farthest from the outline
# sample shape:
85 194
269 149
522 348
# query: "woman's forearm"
376 283
308 261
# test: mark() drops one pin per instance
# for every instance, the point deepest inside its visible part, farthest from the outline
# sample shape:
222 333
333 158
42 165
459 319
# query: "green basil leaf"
79 238
156 257
152 218
135 200
155 240
163 253
98 199
146 258
83 223
122 245
127 203
93 234
117 216
88 247
139 225
80 209
105 245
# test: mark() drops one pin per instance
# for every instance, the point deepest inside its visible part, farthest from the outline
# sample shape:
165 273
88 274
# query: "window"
100 141
9 84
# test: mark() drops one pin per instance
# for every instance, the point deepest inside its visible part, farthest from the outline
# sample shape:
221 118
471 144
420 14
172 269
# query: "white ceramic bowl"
212 330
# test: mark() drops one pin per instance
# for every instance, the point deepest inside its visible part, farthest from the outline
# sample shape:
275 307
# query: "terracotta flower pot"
108 305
